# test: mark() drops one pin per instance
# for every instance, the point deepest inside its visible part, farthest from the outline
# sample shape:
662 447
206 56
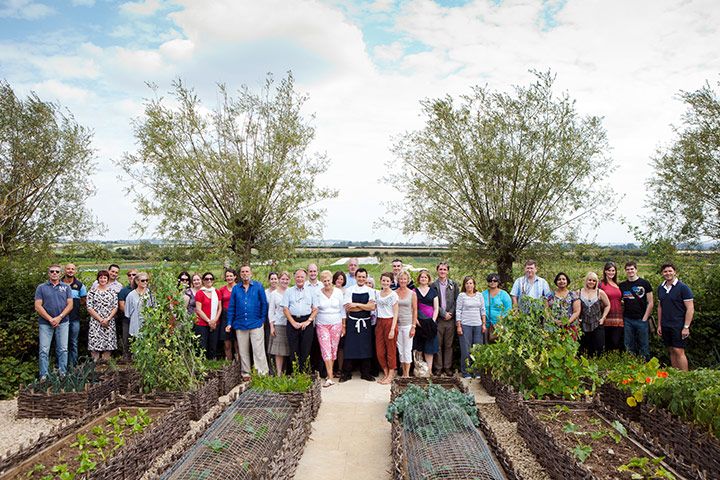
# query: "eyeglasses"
142 280
208 278
54 271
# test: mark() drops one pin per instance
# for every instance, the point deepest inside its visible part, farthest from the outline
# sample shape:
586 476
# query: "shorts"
672 337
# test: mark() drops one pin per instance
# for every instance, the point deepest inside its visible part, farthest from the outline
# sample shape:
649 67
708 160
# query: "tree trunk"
504 262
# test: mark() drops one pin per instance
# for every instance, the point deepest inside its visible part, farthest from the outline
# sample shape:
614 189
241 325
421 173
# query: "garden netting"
441 441
242 441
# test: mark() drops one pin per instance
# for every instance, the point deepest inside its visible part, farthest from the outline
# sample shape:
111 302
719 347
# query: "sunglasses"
184 279
208 278
132 274
142 280
54 271
493 280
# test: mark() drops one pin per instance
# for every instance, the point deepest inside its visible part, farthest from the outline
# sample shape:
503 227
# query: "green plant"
644 468
258 433
538 359
415 395
166 351
76 379
299 381
14 373
216 445
581 451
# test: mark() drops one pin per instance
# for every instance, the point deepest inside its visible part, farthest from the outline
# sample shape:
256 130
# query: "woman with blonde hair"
407 317
594 309
428 308
329 321
278 345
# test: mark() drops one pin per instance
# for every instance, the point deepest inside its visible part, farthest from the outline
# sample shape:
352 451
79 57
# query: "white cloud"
138 61
389 53
53 90
25 9
178 49
143 8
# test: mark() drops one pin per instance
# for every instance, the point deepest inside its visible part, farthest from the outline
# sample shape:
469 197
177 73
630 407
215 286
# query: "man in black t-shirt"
637 295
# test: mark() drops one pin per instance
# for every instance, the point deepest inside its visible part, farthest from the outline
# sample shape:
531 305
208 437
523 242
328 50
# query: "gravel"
20 432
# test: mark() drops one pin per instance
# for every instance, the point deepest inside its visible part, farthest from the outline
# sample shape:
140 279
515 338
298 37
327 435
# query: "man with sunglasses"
53 303
122 296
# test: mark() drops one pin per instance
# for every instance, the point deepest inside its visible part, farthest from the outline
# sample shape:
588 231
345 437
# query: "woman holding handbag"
497 304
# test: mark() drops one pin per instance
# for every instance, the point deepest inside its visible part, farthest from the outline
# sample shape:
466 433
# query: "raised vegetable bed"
580 442
110 443
200 400
260 436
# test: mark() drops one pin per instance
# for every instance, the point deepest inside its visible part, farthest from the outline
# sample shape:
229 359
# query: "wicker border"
67 404
616 399
400 384
201 399
132 460
500 453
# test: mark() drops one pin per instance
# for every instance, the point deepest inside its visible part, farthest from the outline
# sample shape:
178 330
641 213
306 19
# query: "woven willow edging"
67 404
201 399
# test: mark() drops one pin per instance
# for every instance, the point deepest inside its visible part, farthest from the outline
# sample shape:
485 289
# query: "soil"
606 455
63 452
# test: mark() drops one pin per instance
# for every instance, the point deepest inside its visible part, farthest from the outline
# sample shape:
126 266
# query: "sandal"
329 383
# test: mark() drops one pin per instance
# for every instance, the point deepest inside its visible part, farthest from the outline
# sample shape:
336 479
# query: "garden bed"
133 451
260 435
400 384
46 404
200 399
579 442
436 437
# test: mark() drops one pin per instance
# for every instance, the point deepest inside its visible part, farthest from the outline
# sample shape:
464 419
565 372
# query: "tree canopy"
236 179
500 171
45 168
686 174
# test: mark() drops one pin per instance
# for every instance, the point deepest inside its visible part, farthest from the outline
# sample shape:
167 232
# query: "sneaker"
467 375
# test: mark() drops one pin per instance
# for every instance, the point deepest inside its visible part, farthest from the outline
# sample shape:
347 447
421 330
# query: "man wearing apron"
359 303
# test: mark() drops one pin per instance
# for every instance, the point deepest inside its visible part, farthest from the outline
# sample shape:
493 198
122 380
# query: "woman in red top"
208 309
614 326
225 292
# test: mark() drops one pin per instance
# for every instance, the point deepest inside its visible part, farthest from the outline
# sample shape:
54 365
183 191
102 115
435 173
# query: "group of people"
340 317
607 314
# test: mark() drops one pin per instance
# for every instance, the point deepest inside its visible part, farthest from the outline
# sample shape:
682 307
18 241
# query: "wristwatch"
687 326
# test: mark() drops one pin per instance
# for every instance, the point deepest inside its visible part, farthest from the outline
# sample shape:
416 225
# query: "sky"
365 66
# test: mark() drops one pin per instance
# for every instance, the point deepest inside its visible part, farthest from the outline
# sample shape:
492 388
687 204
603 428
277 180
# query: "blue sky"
365 66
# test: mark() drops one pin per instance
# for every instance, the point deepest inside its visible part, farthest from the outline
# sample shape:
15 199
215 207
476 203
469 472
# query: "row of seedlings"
260 436
434 432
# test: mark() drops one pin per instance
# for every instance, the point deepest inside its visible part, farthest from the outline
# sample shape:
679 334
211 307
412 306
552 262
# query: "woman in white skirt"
278 347
407 317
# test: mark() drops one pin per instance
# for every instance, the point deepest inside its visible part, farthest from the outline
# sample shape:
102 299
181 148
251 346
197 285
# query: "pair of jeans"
73 337
637 334
46 334
472 335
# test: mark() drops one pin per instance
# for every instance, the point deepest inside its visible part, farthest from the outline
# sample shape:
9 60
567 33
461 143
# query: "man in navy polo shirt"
675 313
53 302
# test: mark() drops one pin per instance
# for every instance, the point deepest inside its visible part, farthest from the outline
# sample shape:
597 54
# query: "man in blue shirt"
300 312
530 291
53 303
246 313
675 312
353 265
79 294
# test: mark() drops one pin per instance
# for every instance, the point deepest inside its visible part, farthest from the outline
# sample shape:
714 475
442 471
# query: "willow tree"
497 172
46 161
238 178
686 174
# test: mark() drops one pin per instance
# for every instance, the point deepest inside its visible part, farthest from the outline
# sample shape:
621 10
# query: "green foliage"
644 468
297 382
627 371
14 373
515 164
415 395
251 157
686 177
537 359
76 379
45 174
693 395
166 352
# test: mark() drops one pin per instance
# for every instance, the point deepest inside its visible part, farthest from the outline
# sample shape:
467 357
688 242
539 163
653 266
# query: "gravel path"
17 432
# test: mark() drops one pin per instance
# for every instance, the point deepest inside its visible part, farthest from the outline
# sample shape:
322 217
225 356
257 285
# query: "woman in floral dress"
102 305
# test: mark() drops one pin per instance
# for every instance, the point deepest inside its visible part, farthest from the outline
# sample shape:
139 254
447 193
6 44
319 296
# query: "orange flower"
648 380
662 374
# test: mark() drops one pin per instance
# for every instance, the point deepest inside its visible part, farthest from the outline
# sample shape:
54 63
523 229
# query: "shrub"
297 382
536 358
14 373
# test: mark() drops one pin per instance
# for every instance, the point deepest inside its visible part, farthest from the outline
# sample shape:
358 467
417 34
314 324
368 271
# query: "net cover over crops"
241 443
441 441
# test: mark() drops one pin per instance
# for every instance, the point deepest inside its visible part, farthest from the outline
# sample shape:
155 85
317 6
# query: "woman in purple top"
428 309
